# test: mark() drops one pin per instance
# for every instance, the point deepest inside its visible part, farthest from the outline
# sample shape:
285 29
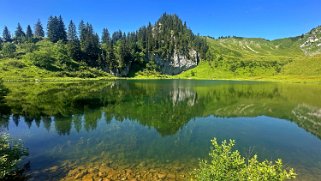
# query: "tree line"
111 52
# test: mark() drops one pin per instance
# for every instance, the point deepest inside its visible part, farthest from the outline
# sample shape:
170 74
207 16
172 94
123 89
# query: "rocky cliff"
178 63
312 42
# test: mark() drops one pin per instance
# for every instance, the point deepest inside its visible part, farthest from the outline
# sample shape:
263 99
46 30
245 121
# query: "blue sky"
269 19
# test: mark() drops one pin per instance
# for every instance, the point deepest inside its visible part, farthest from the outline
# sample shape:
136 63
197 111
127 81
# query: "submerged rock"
96 171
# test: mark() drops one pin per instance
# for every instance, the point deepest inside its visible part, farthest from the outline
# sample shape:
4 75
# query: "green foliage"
115 54
89 42
16 63
6 35
43 59
105 38
3 92
27 47
9 50
226 164
11 152
19 34
39 32
126 54
29 34
56 29
52 57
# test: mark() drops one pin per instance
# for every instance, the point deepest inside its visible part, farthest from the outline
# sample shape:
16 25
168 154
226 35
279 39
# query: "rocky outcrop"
177 63
312 42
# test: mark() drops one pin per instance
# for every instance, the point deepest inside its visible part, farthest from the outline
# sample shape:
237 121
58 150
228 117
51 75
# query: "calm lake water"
160 125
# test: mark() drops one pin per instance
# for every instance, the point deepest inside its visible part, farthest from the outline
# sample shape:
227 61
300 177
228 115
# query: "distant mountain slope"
237 57
307 44
261 47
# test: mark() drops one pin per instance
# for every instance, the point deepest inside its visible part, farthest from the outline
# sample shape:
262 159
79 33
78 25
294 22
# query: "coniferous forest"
72 50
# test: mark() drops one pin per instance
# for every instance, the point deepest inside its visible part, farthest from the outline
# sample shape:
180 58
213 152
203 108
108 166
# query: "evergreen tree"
105 38
62 30
73 42
6 35
29 33
39 32
111 59
56 29
117 36
72 32
52 29
89 42
81 29
19 34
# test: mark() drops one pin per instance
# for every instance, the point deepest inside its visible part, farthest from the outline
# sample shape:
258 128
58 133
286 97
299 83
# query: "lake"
159 129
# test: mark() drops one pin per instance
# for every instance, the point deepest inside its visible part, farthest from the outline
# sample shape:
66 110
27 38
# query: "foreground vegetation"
11 152
226 164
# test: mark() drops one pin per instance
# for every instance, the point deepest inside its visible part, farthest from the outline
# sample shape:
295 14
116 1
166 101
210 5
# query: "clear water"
162 123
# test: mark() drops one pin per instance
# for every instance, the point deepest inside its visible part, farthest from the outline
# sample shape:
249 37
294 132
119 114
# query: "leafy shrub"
11 152
9 50
42 59
28 47
16 63
226 164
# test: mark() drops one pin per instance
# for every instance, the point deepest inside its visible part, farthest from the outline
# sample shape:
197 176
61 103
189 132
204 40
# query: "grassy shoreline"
281 79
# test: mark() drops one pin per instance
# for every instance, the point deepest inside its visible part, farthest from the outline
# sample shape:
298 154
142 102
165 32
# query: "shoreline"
310 80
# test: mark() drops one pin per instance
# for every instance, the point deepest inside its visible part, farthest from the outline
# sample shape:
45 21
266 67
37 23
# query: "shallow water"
161 126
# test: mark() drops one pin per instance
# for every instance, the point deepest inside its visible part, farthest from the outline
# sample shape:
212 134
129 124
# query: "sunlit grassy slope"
296 59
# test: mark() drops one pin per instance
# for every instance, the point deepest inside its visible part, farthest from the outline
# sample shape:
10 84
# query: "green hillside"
161 50
296 58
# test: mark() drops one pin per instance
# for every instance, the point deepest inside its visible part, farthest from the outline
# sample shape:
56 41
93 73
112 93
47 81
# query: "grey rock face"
312 44
178 63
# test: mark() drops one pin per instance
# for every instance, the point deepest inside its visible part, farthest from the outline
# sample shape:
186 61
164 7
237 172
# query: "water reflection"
163 105
162 122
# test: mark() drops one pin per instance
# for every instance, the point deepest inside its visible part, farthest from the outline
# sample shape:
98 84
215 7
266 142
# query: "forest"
80 52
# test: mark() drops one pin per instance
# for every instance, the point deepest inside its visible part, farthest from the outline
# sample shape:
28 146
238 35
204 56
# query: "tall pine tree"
73 42
39 32
19 34
62 30
72 32
89 42
56 29
105 38
19 31
6 35
29 33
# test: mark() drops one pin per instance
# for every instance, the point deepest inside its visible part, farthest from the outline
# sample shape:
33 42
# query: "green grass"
257 59
24 70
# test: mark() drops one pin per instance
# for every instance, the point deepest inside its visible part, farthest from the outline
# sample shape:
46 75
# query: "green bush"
226 164
42 59
28 47
11 152
16 63
9 50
